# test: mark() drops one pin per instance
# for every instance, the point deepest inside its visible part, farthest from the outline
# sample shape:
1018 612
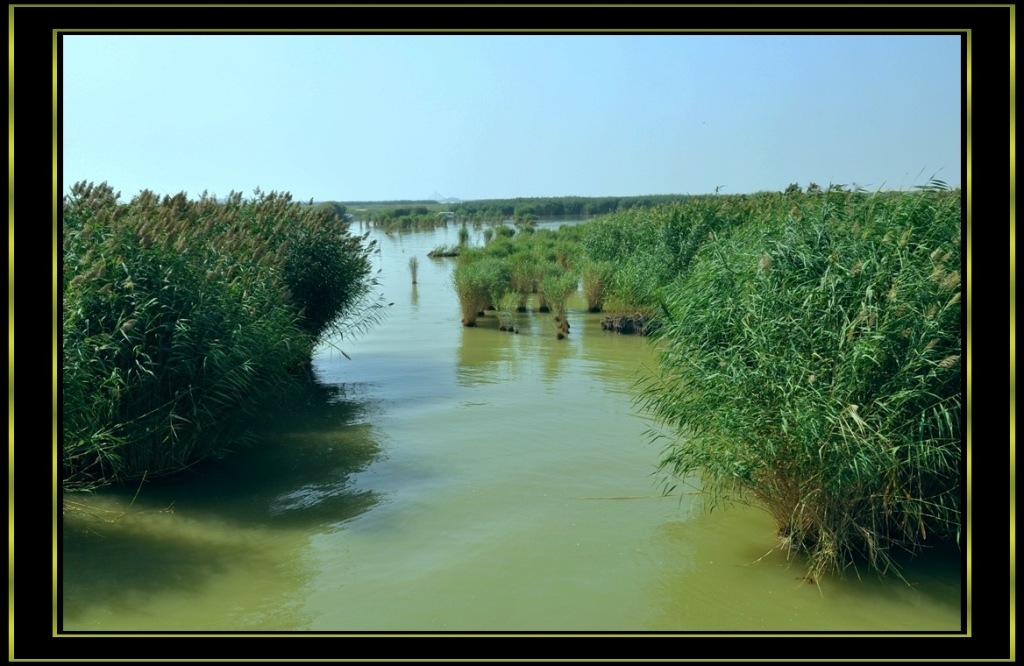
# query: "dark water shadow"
117 567
122 546
298 472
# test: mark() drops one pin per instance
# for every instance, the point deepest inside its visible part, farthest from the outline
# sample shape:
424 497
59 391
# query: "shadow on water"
174 536
296 476
736 579
116 564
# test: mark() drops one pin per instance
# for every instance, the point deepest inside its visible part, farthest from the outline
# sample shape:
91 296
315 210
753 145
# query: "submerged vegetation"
183 318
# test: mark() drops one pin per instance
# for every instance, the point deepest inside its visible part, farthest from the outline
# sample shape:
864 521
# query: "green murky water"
452 479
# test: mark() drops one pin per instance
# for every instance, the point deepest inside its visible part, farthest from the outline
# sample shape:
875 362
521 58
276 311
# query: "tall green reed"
183 318
811 365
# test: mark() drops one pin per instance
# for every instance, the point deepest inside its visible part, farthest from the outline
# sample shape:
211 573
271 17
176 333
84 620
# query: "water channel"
439 478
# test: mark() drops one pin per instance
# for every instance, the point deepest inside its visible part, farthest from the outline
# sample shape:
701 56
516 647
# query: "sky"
412 117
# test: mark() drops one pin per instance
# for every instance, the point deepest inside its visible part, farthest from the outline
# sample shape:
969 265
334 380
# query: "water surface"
453 479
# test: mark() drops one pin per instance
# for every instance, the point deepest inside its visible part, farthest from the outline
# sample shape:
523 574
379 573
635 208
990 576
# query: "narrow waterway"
439 478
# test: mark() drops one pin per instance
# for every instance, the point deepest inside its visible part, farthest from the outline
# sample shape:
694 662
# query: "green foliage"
328 274
812 365
506 306
557 285
478 278
181 318
596 276
404 217
334 208
650 247
512 266
525 273
527 209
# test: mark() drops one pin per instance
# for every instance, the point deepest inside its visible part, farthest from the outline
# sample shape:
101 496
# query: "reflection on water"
481 351
487 355
462 479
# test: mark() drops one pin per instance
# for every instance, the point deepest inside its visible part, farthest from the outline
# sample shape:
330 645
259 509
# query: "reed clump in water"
444 251
506 307
476 278
524 275
414 266
558 285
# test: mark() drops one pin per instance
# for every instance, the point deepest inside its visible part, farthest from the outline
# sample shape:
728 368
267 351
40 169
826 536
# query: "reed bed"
596 277
506 307
811 365
477 279
557 285
183 318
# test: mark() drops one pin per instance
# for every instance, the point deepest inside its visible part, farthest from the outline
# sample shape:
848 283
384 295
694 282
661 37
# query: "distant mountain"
439 198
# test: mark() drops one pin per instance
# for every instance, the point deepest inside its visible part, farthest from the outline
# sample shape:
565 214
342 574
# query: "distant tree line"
523 207
408 215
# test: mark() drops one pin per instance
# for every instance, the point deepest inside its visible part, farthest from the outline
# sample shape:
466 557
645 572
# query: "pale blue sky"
382 117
